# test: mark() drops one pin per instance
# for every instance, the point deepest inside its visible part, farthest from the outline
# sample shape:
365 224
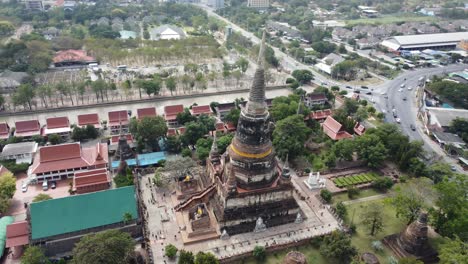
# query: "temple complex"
413 241
251 189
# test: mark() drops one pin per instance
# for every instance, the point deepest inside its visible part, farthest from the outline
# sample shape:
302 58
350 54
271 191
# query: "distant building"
224 108
216 4
260 4
91 181
57 125
438 118
359 129
34 5
118 121
89 119
22 152
72 57
57 224
334 129
51 33
445 41
198 110
127 34
320 115
27 129
315 99
62 161
326 64
4 131
170 114
167 32
146 112
9 80
430 11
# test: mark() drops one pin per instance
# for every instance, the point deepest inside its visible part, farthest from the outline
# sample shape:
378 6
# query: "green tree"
206 258
352 191
185 117
151 129
338 246
412 197
41 197
259 253
170 251
171 84
341 210
186 257
55 139
6 28
23 96
233 116
453 251
34 255
112 246
7 185
243 64
173 144
371 150
290 135
326 195
303 76
124 179
382 183
344 149
193 132
450 214
372 218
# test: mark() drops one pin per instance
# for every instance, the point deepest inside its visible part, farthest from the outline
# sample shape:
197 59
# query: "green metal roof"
4 221
78 212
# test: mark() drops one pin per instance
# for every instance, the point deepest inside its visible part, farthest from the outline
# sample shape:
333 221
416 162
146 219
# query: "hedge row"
353 180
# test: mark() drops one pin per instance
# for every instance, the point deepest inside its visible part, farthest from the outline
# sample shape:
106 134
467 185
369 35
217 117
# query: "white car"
398 120
400 89
402 86
24 187
410 88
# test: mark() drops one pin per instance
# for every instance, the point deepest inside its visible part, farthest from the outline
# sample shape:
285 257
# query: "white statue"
259 225
299 218
224 235
314 181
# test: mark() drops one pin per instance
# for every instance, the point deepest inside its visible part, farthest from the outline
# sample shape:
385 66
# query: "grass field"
362 240
363 193
390 19
312 254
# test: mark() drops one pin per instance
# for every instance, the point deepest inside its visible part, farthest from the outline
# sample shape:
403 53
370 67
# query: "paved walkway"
366 199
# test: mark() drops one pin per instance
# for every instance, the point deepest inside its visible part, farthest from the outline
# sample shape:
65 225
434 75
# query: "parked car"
45 185
404 98
369 93
402 85
348 87
53 185
413 127
398 120
453 168
410 88
400 90
24 187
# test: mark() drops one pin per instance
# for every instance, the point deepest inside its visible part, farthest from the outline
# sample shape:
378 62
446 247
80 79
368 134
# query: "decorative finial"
261 52
214 146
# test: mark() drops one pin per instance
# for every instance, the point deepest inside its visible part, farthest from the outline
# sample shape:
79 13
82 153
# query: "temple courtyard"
165 226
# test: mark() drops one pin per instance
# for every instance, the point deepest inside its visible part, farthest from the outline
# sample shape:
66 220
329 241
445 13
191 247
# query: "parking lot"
17 207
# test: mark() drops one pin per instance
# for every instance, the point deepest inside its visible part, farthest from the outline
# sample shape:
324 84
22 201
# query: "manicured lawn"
362 240
342 182
390 19
312 254
363 193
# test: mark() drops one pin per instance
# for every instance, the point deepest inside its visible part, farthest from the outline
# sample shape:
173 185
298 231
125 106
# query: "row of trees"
187 257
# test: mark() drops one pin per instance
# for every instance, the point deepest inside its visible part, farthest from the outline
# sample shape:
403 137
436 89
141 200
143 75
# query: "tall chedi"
252 190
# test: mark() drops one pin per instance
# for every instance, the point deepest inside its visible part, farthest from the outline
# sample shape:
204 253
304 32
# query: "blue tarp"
142 159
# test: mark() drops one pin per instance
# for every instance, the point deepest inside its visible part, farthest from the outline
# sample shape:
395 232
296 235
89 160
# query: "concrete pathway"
366 199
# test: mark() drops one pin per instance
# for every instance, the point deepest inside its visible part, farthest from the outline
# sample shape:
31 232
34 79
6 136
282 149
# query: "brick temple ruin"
244 189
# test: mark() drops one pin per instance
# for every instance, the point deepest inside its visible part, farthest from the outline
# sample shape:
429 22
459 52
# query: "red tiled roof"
332 128
226 107
201 109
88 119
68 156
317 96
320 114
115 139
142 112
171 132
4 130
359 129
27 126
230 126
57 122
181 130
17 234
59 3
171 110
72 55
220 126
118 116
91 177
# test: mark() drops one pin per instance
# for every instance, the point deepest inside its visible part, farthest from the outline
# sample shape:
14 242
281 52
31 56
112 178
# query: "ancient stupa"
295 257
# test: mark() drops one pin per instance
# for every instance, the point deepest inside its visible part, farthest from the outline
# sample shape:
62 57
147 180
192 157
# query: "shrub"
382 183
326 195
170 251
259 253
341 210
377 245
353 192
